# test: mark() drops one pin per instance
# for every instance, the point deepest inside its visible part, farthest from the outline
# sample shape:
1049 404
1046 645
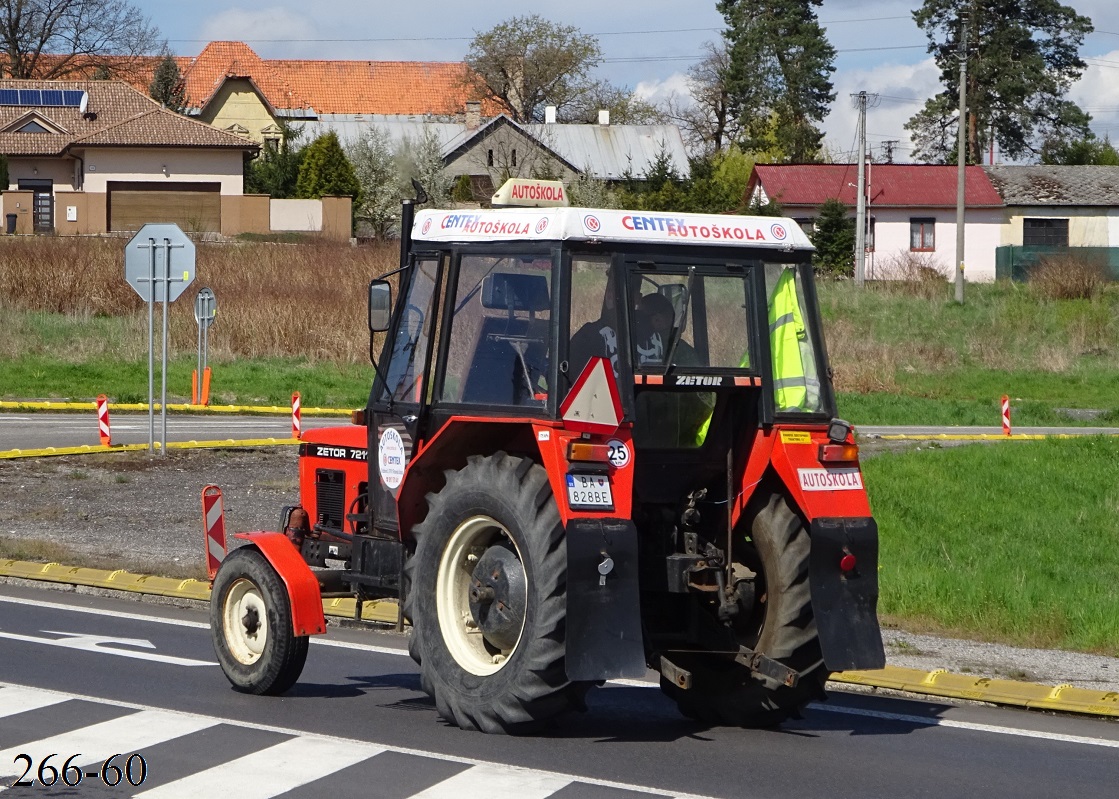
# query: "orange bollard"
103 420
194 387
204 397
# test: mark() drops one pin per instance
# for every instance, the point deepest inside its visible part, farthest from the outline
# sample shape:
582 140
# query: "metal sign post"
205 308
142 272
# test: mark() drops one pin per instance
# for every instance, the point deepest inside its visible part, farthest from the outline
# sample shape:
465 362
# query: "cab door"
399 401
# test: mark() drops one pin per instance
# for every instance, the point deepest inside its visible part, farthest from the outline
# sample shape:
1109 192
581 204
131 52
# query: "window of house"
514 158
922 236
489 157
870 234
1044 232
32 127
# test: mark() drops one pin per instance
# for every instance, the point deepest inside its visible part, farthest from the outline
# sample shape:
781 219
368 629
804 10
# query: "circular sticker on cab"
390 458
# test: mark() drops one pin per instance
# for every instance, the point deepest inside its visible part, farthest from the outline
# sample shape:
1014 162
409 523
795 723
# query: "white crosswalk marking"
487 780
98 742
268 772
16 699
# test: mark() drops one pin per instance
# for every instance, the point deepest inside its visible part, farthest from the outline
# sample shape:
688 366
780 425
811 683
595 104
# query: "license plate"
589 491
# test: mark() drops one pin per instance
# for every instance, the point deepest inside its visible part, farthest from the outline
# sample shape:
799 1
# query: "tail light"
838 453
585 451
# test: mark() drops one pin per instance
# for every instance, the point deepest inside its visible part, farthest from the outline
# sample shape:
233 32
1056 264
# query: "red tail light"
847 563
838 453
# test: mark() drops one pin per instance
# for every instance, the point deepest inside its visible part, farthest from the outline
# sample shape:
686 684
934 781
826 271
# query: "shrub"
917 274
1068 276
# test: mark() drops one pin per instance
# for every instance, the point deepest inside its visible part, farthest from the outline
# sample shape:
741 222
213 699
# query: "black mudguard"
845 603
603 611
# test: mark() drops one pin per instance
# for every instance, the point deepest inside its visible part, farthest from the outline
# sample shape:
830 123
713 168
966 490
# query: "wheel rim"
245 621
464 634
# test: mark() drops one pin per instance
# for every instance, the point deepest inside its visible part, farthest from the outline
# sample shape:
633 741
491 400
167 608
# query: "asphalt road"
134 678
40 430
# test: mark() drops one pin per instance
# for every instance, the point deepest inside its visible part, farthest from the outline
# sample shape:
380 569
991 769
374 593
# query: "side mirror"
380 306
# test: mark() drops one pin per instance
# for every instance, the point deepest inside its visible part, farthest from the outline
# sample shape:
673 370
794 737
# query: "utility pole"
961 161
860 214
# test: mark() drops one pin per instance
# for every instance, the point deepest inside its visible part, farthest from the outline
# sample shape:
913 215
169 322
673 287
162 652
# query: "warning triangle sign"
593 405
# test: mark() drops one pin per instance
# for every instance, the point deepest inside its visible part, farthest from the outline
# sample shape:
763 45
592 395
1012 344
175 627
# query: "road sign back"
159 256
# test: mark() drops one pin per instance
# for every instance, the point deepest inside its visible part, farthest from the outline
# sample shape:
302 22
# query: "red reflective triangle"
593 405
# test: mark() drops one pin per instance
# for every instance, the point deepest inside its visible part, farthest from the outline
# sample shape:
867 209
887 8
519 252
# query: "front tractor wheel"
250 620
487 598
782 627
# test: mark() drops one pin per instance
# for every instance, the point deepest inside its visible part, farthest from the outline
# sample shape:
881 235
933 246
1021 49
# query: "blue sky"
648 45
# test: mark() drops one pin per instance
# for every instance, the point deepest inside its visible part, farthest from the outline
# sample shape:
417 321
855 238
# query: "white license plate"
589 491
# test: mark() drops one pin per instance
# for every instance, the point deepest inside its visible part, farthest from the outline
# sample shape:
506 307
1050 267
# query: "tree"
374 165
528 62
58 38
708 122
834 239
1022 59
624 106
1088 150
276 171
326 172
167 87
779 73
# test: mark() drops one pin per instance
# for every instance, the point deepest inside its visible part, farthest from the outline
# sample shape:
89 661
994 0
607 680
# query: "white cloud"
279 23
657 91
1097 92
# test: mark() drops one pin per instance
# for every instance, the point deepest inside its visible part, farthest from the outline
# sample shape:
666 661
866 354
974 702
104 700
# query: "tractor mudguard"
844 602
302 586
603 602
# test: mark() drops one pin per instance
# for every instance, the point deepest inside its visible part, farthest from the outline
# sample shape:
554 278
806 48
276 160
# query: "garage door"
194 207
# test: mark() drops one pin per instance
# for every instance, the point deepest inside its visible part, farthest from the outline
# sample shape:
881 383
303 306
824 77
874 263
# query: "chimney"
473 114
549 115
604 116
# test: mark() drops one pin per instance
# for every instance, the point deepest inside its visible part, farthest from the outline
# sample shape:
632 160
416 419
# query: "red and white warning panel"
296 416
1005 415
213 526
593 405
103 421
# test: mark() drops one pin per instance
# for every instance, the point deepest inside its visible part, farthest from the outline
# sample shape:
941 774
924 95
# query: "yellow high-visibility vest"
786 332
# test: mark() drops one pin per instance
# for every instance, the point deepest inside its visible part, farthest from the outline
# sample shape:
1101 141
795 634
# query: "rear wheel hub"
497 596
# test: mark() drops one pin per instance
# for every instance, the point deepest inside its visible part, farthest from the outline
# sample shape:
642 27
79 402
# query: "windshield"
689 319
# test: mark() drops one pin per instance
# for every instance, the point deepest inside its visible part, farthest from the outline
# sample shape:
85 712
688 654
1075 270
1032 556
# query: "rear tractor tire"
487 598
783 628
250 620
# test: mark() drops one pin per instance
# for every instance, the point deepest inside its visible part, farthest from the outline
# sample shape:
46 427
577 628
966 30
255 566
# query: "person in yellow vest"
795 384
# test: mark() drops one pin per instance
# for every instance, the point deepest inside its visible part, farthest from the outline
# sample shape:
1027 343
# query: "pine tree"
779 77
167 87
326 172
1022 59
834 239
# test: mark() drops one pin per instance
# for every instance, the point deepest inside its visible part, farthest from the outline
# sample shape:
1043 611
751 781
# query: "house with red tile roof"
98 156
911 212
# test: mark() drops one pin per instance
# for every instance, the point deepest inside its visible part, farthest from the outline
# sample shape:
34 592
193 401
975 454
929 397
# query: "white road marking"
102 644
969 725
269 772
928 722
496 781
337 745
98 742
17 699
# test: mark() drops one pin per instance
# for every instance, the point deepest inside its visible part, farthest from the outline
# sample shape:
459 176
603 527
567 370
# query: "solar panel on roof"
30 97
72 98
9 97
52 97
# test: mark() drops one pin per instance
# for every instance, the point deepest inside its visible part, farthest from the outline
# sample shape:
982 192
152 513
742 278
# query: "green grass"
1011 541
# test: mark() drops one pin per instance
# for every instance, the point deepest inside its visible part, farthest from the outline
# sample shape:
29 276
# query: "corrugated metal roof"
606 151
1056 185
888 185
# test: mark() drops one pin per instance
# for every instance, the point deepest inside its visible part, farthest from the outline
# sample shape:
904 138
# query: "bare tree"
59 38
708 122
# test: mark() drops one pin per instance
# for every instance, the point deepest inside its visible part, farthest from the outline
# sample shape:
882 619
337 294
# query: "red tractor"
598 442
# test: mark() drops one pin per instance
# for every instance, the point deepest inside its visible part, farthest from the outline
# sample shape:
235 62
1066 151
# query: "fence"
1013 262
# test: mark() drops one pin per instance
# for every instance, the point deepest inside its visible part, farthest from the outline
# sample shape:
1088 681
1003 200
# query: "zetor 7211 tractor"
598 442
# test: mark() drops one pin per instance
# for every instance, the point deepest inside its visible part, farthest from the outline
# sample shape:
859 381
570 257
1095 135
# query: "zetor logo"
778 232
591 223
698 380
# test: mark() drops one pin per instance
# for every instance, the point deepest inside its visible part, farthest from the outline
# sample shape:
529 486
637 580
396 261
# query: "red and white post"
103 421
213 526
296 423
1005 415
